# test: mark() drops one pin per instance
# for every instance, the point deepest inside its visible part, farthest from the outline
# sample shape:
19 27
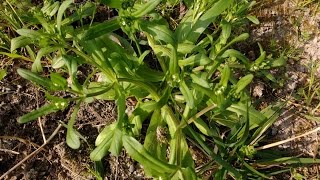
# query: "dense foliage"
185 73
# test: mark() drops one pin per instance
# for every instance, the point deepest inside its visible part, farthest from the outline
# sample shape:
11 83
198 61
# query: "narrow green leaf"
199 59
187 94
43 110
190 31
61 11
73 140
226 32
145 8
101 29
243 83
37 79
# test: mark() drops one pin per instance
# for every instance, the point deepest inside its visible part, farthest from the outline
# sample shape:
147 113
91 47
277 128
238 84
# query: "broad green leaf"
253 19
73 140
157 31
200 80
61 11
35 78
101 29
72 64
149 75
156 136
140 154
58 80
243 83
33 34
145 8
116 144
102 149
105 134
19 42
203 127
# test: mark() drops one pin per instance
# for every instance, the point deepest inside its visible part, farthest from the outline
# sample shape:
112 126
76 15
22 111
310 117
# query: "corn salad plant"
198 88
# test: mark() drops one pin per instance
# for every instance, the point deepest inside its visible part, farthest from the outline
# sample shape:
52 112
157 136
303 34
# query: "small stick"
33 153
287 140
9 151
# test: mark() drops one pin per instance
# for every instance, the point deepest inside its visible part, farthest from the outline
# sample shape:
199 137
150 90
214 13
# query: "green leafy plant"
198 90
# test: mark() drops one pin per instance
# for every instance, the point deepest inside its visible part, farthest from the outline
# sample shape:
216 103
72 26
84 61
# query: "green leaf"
42 111
37 79
155 144
281 61
145 8
190 31
58 80
3 73
187 94
243 83
184 174
19 42
157 31
102 149
61 11
112 3
105 134
199 59
226 32
36 66
101 29
236 54
86 10
253 19
116 144
29 33
140 154
256 118
73 140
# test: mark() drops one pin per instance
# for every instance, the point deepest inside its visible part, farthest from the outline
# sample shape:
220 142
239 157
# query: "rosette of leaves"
193 92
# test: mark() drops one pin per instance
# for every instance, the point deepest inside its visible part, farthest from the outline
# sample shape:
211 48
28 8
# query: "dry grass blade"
33 153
